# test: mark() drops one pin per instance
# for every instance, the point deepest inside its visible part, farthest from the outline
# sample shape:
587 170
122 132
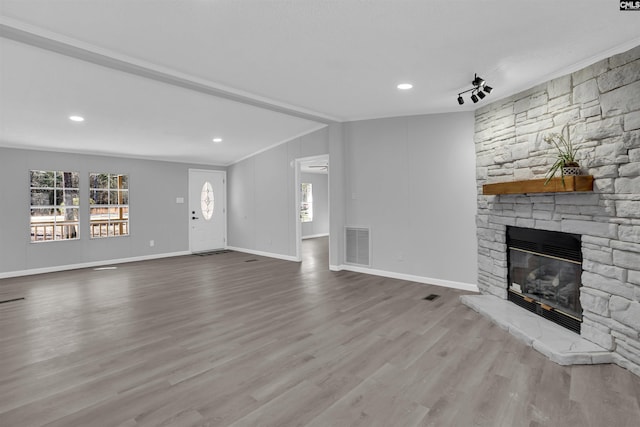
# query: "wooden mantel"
571 184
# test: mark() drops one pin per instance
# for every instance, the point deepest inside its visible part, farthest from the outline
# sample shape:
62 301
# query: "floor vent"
251 260
431 297
222 251
357 242
11 300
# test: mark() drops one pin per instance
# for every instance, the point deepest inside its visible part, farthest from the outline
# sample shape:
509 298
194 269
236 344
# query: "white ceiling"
160 79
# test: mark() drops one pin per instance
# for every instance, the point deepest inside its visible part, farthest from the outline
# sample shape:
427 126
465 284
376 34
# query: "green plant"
566 153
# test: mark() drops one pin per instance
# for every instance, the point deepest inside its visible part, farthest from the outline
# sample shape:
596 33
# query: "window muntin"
54 205
109 205
207 201
306 202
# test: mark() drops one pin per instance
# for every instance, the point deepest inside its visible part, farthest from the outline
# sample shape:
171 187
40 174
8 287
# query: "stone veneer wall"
602 105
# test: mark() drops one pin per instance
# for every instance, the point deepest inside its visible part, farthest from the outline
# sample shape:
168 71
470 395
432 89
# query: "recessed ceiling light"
217 139
405 86
76 118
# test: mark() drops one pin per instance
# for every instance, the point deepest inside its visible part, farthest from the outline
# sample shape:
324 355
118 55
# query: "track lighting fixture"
478 91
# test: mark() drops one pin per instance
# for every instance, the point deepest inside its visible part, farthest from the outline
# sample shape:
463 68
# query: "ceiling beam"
36 37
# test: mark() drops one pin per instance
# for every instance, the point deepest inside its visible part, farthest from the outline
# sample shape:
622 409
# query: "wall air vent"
358 244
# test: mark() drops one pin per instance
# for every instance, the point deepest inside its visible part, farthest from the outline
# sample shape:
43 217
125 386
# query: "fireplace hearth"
544 274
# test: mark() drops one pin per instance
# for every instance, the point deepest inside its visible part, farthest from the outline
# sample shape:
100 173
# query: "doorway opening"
312 209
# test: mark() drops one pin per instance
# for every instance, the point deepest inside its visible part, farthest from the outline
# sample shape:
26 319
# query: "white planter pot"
571 170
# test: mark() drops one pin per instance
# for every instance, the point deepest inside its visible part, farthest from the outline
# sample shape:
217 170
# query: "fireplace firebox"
544 274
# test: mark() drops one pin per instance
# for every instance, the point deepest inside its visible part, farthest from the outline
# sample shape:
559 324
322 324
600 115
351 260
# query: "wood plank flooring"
218 341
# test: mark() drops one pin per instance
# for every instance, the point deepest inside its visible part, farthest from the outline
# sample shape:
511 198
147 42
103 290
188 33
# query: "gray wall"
154 213
412 180
337 193
261 196
320 186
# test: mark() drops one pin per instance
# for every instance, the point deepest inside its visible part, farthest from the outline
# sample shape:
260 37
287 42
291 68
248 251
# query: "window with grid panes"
108 205
54 205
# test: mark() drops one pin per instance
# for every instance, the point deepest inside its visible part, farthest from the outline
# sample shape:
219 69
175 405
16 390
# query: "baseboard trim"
408 277
43 270
266 254
314 236
356 269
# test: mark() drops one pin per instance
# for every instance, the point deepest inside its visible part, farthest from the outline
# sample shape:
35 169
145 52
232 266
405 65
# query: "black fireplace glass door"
550 280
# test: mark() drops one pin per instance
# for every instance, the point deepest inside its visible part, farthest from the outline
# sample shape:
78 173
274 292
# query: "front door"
207 210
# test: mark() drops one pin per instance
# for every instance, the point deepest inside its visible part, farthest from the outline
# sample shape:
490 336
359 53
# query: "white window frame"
51 227
306 202
110 227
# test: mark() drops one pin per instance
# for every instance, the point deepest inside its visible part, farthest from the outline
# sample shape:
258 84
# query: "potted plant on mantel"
566 155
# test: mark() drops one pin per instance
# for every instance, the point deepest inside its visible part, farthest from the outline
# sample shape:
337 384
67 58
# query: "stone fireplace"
601 104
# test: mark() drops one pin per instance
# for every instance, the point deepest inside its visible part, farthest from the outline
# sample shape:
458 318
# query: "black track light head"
474 98
460 100
478 81
488 89
481 94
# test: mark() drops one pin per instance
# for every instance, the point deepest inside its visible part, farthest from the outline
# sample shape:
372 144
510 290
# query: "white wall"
153 188
261 196
412 180
320 189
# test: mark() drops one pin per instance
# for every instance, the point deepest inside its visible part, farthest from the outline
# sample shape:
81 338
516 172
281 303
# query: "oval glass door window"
206 201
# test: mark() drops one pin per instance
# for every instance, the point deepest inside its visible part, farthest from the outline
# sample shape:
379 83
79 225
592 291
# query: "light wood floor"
218 341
